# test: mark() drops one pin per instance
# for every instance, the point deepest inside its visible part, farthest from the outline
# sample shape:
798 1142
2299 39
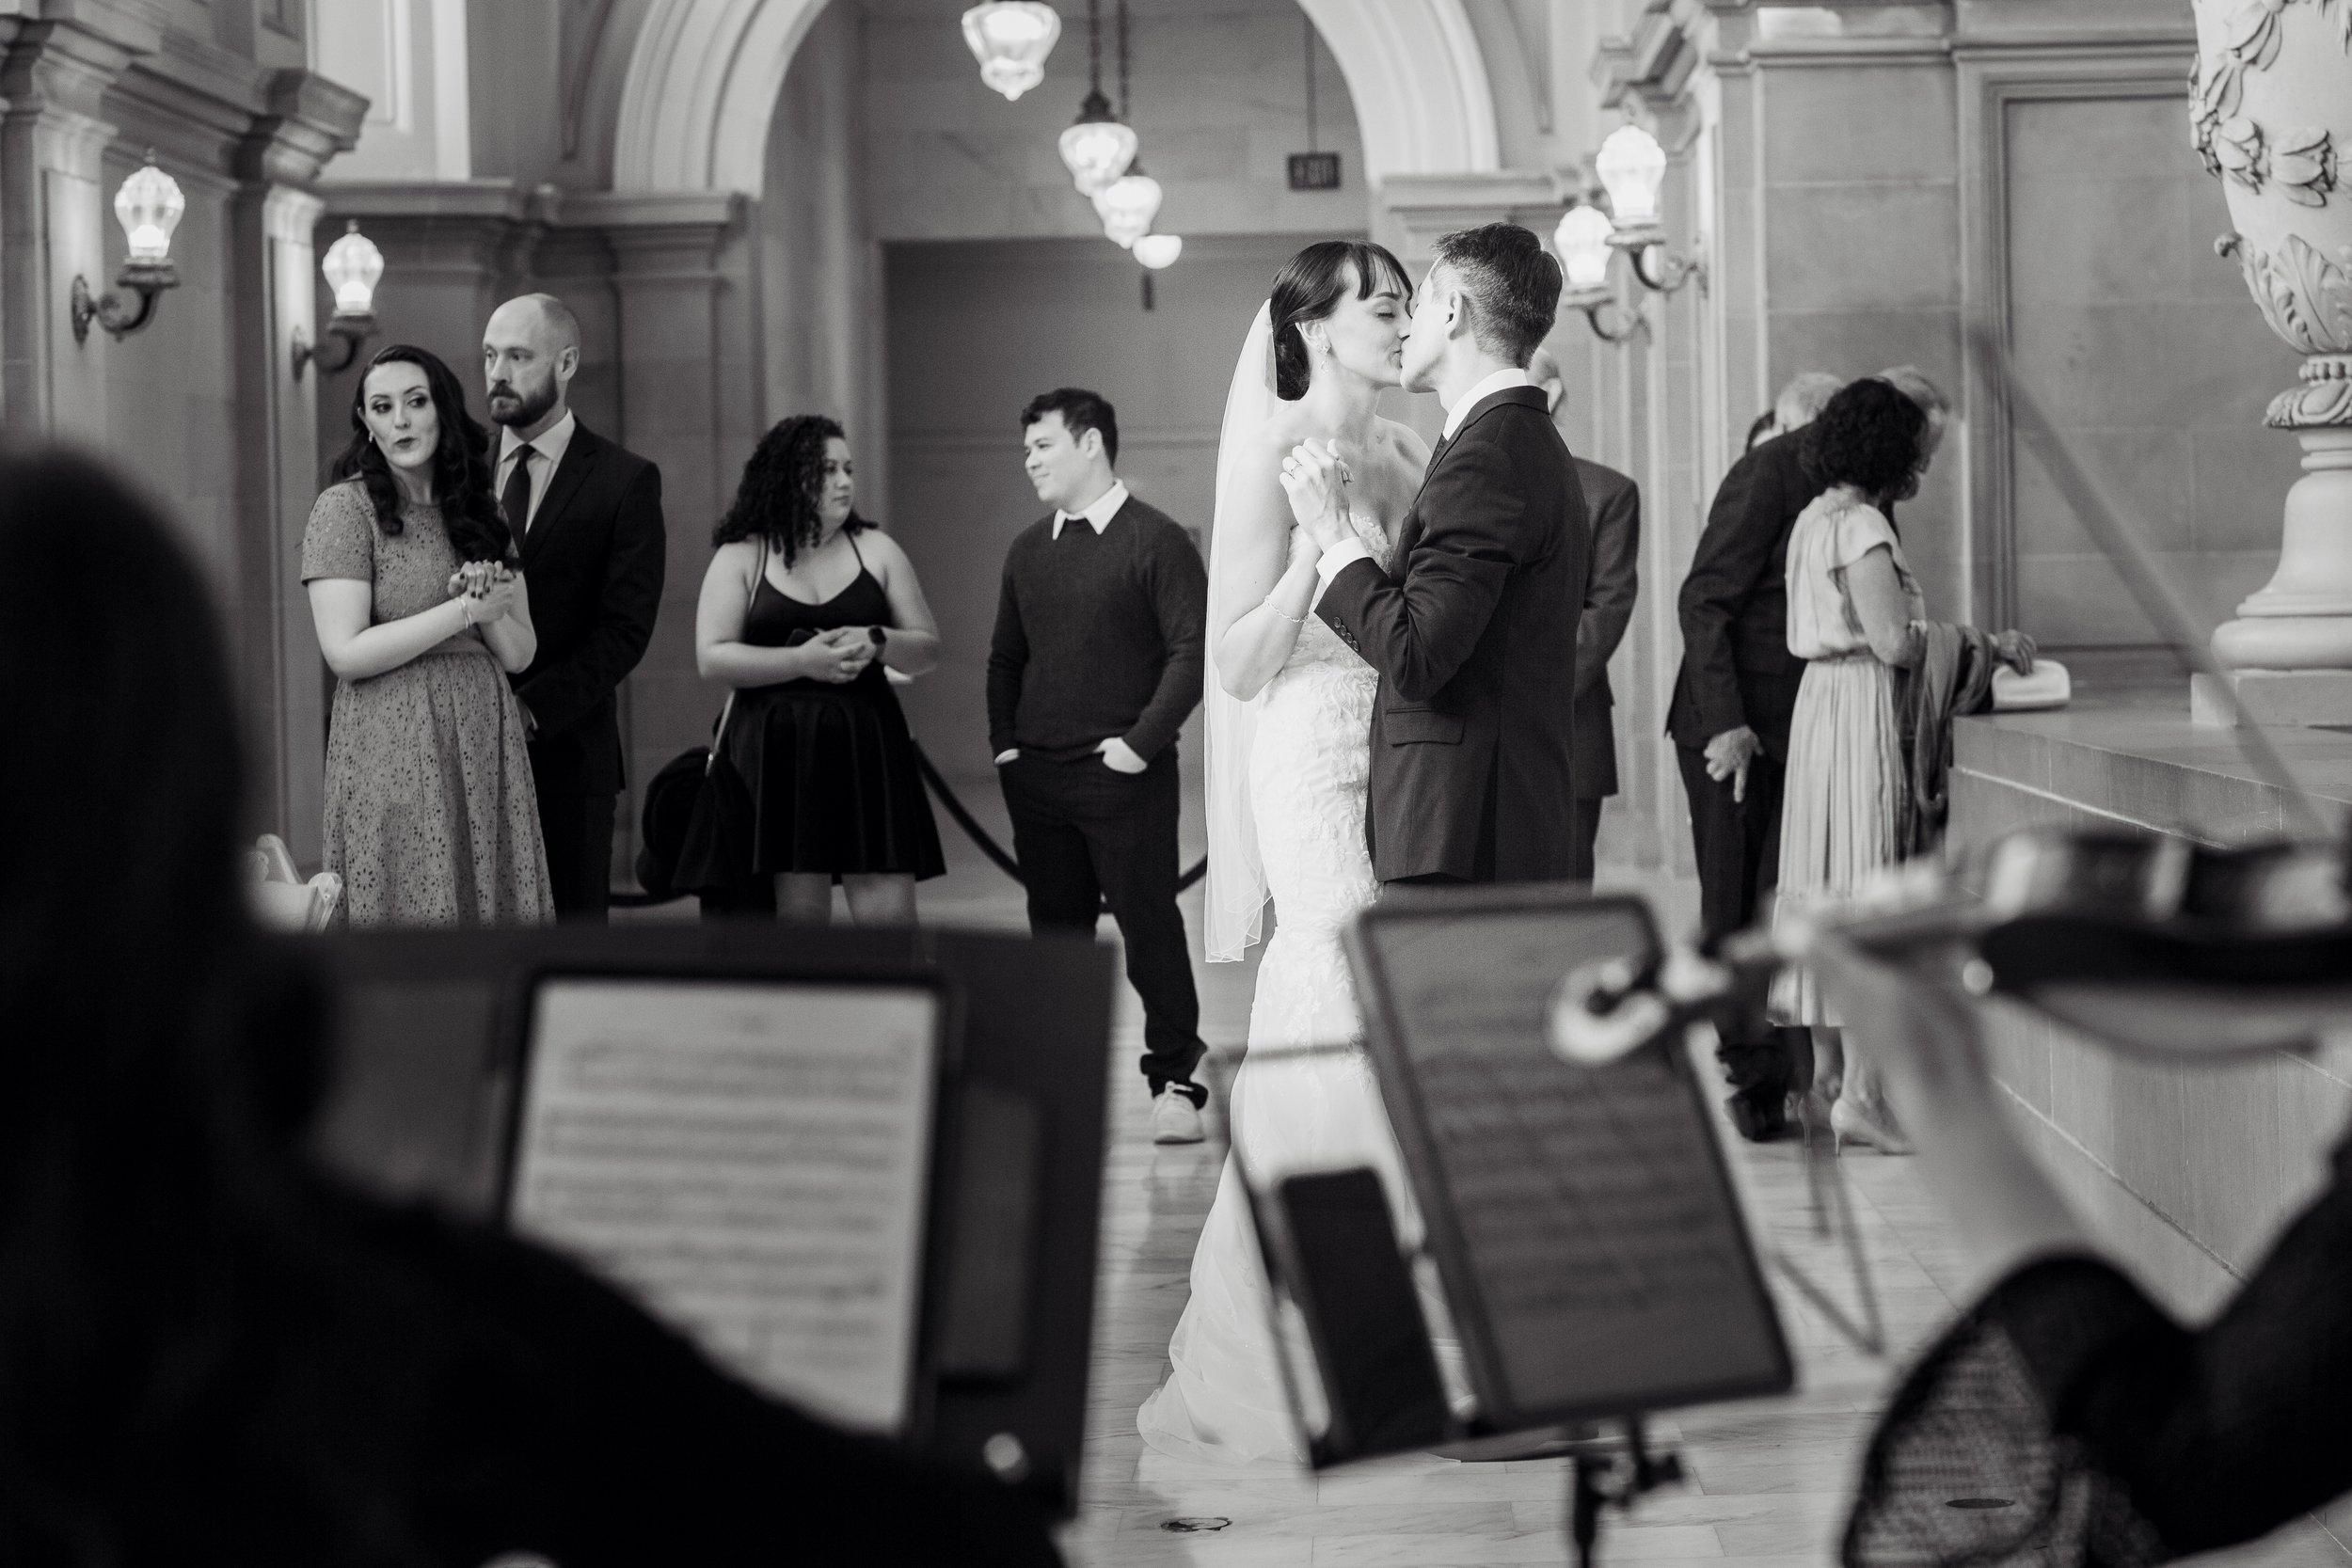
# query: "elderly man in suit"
586 515
1615 501
1733 699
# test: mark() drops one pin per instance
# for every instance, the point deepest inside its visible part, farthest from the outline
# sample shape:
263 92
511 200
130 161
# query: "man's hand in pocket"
1120 757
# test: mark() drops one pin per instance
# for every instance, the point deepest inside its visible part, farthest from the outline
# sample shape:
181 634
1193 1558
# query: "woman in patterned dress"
431 818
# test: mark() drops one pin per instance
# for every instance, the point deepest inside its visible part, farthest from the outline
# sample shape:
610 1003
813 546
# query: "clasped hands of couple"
1729 754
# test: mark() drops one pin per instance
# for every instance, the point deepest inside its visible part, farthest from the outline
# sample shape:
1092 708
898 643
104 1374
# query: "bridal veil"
1235 913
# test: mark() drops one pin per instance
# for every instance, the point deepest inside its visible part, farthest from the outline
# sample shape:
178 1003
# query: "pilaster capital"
56 68
1420 208
672 236
305 122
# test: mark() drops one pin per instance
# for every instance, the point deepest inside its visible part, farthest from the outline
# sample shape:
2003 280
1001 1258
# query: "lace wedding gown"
1308 768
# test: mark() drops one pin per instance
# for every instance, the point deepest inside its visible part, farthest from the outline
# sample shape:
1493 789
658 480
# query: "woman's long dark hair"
1307 289
776 498
1869 436
170 1311
462 465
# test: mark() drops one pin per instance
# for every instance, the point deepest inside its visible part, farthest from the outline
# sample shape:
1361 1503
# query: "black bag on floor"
669 811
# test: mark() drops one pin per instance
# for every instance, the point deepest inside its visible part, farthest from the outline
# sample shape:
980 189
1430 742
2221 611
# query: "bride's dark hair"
1307 289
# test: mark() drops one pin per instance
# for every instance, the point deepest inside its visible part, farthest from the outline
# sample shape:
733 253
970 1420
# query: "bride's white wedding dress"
1308 766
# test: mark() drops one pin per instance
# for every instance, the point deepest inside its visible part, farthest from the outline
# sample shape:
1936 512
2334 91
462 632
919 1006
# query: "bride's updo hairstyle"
1307 289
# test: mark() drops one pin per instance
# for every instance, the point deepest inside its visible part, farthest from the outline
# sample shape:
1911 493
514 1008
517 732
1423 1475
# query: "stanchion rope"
971 825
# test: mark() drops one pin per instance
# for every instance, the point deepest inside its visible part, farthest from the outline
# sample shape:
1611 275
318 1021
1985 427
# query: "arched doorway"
704 76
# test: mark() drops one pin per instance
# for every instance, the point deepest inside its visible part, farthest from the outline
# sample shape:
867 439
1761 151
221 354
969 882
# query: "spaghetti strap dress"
809 776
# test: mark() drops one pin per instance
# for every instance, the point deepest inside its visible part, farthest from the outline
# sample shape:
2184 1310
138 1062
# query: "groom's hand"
1315 480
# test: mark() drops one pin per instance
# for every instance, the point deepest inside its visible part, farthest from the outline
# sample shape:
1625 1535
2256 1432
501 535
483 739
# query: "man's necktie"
518 498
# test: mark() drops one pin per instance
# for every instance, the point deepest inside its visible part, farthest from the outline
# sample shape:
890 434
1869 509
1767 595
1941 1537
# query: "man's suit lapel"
1411 530
571 474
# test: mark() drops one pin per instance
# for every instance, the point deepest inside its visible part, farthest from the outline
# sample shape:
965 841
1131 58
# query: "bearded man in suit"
586 516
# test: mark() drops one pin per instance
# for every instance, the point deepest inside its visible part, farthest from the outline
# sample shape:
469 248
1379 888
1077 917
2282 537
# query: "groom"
1473 629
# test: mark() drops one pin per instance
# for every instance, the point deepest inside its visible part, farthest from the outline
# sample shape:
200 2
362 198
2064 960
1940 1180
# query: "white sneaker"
1175 1120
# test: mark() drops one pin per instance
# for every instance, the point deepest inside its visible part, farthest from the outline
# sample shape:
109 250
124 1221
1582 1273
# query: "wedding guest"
1614 503
804 608
1801 400
586 518
1765 426
1856 617
1095 662
215 1352
430 819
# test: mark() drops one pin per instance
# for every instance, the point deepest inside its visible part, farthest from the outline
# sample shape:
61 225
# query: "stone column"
669 254
271 295
55 207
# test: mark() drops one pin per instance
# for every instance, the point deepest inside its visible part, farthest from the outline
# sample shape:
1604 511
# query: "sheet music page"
750 1160
1607 1244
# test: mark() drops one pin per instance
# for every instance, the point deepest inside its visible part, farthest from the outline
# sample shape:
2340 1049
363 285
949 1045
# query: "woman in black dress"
806 608
211 1350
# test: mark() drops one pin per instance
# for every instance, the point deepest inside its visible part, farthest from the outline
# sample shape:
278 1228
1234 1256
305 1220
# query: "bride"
1290 718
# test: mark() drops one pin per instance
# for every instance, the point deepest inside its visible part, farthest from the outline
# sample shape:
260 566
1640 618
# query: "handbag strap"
726 711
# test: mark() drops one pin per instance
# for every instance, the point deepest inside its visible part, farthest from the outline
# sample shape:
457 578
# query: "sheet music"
1606 1243
750 1160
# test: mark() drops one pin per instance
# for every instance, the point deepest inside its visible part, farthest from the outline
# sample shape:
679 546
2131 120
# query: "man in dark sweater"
1096 661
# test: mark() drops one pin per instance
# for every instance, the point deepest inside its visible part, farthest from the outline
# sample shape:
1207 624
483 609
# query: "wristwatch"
880 637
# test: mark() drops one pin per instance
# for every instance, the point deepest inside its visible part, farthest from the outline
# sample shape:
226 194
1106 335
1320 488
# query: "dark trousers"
1587 831
577 831
1087 836
1737 843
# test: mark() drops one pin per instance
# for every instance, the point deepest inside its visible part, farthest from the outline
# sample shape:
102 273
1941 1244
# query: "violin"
2155 946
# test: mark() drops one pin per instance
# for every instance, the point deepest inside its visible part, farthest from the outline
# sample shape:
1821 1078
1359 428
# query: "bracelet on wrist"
1294 620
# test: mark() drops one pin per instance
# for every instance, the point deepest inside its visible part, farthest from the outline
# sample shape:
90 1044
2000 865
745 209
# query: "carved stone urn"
2271 100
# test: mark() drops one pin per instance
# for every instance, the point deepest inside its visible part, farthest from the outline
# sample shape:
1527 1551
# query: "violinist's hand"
1728 755
1315 479
2016 650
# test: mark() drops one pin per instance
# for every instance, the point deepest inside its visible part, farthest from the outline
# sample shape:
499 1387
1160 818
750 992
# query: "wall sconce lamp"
353 266
1632 165
1582 239
148 206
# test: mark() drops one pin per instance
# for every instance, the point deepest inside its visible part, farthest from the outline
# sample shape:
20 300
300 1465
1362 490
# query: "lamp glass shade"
1633 167
1097 150
149 206
1582 238
1128 204
1159 250
353 266
1010 38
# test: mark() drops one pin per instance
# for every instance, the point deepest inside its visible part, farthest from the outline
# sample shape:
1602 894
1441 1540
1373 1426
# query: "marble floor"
1767 1481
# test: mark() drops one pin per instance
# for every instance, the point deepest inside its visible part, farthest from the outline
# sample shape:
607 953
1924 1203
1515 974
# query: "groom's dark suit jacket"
1473 631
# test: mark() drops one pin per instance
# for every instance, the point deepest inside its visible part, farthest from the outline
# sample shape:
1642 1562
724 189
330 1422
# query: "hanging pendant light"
1127 206
1098 148
1157 251
1010 38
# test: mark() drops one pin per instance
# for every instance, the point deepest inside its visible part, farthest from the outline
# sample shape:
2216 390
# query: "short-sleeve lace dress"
431 815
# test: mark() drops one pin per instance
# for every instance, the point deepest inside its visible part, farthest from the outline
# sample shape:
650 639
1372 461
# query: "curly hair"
1307 289
461 462
1869 436
777 497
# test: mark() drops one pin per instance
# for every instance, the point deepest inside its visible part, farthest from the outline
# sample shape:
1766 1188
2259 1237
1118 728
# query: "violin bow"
2143 575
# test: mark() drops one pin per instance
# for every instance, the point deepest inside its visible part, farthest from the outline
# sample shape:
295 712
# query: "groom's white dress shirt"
546 454
1098 516
1350 550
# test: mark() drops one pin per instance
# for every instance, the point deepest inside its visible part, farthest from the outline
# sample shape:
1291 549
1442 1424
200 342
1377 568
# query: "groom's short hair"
1512 283
1080 411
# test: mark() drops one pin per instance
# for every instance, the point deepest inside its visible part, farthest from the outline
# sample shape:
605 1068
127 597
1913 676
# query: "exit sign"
1314 171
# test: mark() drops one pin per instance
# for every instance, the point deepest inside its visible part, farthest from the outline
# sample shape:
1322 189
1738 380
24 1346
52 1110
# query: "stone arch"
704 76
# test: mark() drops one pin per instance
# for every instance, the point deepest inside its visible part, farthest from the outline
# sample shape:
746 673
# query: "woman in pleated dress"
1854 616
804 609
